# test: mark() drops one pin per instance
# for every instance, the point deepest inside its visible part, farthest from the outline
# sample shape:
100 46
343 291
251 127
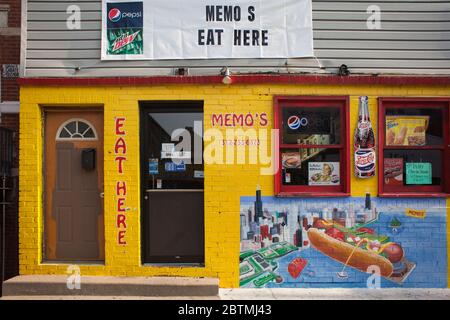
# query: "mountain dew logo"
125 41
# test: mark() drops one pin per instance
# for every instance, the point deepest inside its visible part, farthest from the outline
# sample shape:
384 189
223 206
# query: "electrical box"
88 159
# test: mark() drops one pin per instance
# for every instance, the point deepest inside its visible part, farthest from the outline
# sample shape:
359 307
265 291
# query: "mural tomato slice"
366 230
336 234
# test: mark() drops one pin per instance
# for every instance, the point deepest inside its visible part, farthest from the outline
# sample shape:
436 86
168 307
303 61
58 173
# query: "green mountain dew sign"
124 28
125 41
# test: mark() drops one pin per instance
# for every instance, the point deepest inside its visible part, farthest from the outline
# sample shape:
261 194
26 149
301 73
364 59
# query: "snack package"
393 171
291 160
406 130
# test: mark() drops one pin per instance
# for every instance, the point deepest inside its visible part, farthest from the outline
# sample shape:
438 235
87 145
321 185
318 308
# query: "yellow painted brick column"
122 258
31 183
359 187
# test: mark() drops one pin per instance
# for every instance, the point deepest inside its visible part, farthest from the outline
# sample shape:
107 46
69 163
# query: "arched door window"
76 129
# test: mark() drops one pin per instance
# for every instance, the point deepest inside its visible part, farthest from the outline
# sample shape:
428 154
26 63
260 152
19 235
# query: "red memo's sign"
239 119
120 151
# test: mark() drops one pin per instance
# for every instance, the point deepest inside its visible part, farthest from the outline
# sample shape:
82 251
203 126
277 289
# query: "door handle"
102 195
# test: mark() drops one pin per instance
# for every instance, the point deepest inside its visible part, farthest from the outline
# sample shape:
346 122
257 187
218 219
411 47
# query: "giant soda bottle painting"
364 142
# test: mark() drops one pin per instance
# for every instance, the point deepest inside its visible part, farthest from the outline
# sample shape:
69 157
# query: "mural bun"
338 250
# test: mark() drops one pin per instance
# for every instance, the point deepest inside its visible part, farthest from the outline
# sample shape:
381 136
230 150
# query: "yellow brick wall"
224 184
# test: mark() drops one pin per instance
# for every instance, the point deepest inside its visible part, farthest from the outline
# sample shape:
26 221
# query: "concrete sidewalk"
334 294
108 298
278 294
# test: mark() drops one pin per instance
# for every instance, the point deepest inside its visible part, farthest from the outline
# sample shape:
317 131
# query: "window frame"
342 102
442 190
4 9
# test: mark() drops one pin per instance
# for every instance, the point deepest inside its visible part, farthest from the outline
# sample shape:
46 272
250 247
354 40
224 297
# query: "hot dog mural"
337 242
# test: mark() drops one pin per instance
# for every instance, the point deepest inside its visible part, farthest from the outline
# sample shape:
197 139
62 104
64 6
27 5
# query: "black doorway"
172 182
8 207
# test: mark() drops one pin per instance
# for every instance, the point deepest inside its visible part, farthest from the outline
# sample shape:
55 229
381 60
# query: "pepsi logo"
365 160
294 122
114 15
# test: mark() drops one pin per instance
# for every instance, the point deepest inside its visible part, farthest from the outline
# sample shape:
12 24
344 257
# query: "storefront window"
414 147
313 146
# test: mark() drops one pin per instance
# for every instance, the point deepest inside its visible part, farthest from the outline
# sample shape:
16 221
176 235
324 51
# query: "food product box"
393 171
406 130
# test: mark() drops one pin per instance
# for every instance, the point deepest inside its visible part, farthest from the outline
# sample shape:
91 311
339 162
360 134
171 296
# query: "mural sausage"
356 256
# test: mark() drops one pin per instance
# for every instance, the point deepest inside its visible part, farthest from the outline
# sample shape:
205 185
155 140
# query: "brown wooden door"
74 225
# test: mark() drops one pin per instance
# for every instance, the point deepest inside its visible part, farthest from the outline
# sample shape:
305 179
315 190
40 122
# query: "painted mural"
341 242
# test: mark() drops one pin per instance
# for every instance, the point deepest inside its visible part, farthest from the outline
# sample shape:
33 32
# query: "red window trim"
414 191
342 102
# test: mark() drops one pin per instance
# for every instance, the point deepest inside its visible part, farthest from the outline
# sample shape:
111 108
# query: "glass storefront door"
172 182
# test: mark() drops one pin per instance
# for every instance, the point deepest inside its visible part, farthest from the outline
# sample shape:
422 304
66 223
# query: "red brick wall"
14 12
10 50
10 54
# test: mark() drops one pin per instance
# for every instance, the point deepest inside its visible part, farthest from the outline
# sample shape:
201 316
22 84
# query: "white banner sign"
214 29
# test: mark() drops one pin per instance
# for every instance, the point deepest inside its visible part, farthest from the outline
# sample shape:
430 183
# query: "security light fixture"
227 76
343 70
181 71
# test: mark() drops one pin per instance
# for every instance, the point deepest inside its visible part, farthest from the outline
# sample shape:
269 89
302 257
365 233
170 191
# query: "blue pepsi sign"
307 122
125 15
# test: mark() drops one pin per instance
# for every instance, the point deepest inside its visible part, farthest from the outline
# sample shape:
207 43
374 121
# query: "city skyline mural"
341 242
